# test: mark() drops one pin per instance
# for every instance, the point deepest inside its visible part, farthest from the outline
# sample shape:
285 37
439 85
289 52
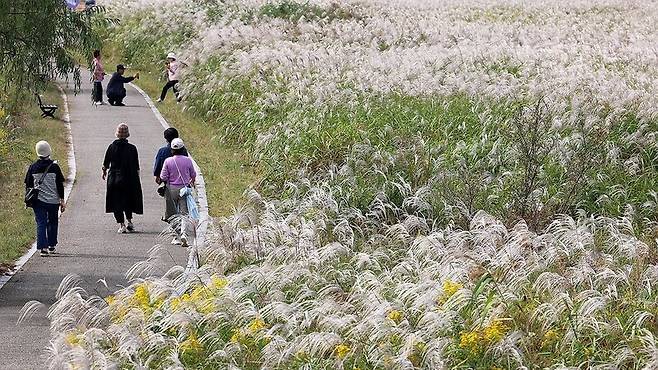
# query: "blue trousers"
47 218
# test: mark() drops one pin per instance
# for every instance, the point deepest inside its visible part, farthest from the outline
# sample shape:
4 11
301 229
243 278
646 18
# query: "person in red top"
98 74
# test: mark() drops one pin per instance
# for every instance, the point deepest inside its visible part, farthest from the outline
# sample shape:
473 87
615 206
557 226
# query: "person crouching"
116 92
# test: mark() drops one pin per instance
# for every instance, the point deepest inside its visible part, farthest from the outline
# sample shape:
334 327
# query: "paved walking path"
89 244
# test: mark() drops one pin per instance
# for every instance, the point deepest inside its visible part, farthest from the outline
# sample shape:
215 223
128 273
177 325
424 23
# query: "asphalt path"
89 245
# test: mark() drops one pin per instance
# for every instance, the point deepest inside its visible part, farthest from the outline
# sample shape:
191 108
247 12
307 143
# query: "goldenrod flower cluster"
201 298
191 344
449 289
550 337
474 341
342 350
242 335
395 315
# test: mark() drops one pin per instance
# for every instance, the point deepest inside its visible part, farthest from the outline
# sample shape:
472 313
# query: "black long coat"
124 190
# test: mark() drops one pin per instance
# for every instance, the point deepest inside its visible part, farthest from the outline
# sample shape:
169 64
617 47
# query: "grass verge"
26 128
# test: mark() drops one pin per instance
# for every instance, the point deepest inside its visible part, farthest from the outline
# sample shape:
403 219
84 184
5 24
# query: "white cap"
43 149
171 55
177 144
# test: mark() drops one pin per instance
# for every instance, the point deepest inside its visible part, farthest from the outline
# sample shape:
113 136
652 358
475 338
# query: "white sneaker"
176 241
122 229
159 100
183 240
99 103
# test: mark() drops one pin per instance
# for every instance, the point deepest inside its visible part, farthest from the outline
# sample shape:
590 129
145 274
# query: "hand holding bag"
162 188
32 194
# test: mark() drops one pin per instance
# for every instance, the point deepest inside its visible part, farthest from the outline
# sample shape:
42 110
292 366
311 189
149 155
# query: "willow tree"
41 40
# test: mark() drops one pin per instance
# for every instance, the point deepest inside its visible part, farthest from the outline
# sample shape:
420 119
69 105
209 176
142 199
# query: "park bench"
46 109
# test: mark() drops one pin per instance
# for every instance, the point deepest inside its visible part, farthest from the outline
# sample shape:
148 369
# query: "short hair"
170 134
177 151
97 53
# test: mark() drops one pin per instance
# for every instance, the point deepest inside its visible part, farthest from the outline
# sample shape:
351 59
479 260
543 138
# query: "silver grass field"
446 185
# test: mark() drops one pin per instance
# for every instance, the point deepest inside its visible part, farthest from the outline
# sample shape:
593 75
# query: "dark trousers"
169 85
47 217
118 215
115 99
98 91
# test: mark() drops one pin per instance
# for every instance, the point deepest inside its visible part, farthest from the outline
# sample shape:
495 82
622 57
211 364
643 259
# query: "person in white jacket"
173 70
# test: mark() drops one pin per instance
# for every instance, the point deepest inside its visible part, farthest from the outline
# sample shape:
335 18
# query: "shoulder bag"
32 194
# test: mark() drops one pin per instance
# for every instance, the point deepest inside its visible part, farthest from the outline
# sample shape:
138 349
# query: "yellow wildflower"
199 293
549 338
238 336
191 344
449 289
110 299
177 302
217 283
395 315
73 339
256 325
141 296
469 340
342 350
495 331
206 306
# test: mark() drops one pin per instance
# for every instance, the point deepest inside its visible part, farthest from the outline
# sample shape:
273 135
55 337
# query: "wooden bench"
46 109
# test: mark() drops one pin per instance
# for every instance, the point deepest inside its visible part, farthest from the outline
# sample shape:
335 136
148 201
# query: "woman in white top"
173 67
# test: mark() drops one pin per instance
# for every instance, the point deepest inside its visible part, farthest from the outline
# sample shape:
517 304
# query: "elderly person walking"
163 153
124 189
177 172
173 69
46 176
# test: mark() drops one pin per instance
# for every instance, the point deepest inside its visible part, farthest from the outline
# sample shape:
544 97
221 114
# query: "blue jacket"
163 153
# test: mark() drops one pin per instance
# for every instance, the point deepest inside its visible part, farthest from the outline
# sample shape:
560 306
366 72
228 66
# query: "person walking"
115 90
164 153
124 190
98 75
177 172
46 175
172 68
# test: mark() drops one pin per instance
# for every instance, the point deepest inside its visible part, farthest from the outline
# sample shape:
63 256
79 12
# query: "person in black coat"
124 189
115 90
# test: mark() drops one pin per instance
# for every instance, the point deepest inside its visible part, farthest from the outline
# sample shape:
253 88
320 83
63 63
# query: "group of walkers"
116 92
173 171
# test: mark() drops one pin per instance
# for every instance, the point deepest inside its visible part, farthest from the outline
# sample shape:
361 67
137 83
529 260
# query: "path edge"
70 180
204 217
